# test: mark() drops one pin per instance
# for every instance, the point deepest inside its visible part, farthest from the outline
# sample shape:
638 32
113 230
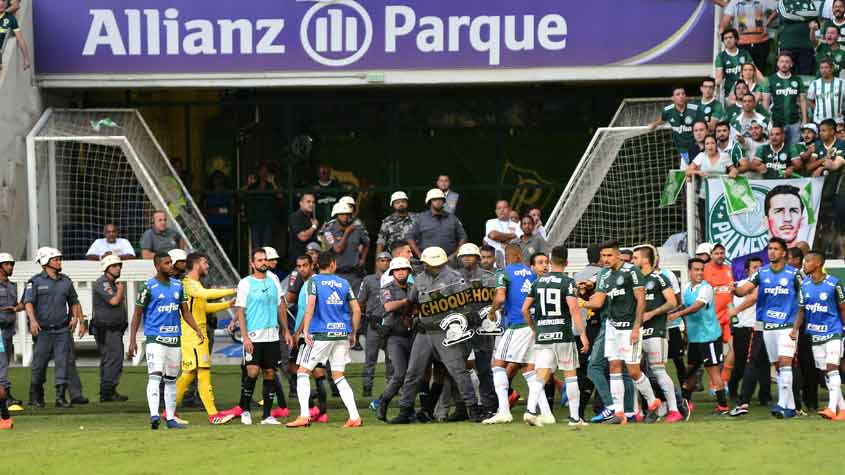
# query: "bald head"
513 254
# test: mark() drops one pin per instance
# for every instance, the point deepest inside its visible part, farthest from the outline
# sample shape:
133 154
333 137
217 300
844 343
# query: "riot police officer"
108 325
369 297
443 332
396 326
9 306
53 309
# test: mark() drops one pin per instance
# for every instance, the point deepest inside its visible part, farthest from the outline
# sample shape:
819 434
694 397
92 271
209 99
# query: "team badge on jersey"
175 295
457 329
784 282
823 296
794 84
620 280
688 120
649 285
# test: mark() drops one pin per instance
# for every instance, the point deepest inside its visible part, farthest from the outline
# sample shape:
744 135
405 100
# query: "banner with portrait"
785 208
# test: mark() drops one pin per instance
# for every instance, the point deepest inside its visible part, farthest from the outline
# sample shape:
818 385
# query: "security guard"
395 228
369 297
350 243
9 306
108 325
443 334
396 327
180 263
53 309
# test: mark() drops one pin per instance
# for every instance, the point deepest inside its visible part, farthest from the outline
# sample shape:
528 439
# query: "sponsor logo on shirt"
334 299
816 308
816 327
522 273
168 329
775 315
171 307
787 91
617 292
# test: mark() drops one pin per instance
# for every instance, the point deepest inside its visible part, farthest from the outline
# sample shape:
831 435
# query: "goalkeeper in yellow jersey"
196 357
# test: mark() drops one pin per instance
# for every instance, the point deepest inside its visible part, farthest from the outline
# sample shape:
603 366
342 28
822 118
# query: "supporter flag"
738 195
672 188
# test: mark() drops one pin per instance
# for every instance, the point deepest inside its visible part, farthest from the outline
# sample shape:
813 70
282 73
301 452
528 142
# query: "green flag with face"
738 195
672 188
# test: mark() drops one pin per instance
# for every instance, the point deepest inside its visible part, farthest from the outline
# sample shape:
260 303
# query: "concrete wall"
20 108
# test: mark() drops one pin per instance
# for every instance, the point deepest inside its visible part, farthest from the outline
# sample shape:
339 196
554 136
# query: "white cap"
398 263
109 261
398 195
434 194
177 255
434 256
341 208
347 200
704 248
6 257
44 254
811 126
469 249
271 253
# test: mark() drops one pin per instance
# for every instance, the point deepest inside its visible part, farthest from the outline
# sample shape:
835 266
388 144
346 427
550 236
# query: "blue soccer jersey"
332 317
161 303
260 299
516 279
821 302
703 325
778 296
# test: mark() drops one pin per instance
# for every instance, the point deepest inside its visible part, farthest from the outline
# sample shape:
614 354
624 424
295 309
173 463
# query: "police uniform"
438 329
370 293
347 261
395 228
8 298
482 344
108 325
52 300
399 340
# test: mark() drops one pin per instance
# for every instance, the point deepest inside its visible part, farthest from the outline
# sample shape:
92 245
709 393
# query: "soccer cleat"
778 411
236 411
513 398
799 412
499 418
220 418
299 422
634 418
618 418
651 417
155 421
6 424
270 421
354 423
740 410
789 413
530 419
577 422
246 418
175 418
374 404
545 420
840 416
605 415
314 411
828 413
721 410
674 416
321 418
280 413
174 424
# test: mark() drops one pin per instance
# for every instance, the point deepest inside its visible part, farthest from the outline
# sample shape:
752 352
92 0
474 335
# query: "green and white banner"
743 214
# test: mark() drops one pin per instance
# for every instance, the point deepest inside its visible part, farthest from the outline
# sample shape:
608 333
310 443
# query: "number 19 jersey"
551 312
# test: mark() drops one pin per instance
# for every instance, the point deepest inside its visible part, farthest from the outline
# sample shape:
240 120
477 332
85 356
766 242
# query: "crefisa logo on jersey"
457 329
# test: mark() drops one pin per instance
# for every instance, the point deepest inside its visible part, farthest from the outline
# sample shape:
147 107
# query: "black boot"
36 397
61 400
11 400
404 416
381 412
475 413
79 400
119 397
460 413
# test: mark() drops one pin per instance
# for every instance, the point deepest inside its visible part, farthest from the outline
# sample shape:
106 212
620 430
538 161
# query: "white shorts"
656 350
617 345
778 344
516 346
828 353
166 360
554 356
336 352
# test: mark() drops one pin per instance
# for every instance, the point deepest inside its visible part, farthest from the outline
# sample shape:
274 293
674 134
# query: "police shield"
487 286
448 310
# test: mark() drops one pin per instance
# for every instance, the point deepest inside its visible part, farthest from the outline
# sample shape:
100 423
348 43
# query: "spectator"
437 227
501 230
733 110
703 250
699 132
350 244
786 98
9 24
513 215
794 36
397 226
840 131
752 18
488 258
530 242
753 79
220 211
711 162
444 184
680 116
159 238
741 125
302 226
808 160
826 94
829 48
327 191
732 149
773 160
709 109
262 205
539 229
10 6
837 9
826 9
110 245
729 61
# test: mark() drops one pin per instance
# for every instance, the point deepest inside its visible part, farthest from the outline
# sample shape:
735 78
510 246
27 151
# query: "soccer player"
160 302
778 298
704 334
329 333
823 308
555 303
516 346
659 300
623 287
196 357
258 305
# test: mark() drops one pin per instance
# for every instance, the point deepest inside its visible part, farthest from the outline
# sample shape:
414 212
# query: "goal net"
615 189
87 168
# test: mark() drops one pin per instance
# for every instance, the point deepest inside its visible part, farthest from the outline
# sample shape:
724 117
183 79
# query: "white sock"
169 398
535 392
574 395
644 387
786 399
303 393
666 385
617 391
500 383
348 398
153 384
542 402
834 383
